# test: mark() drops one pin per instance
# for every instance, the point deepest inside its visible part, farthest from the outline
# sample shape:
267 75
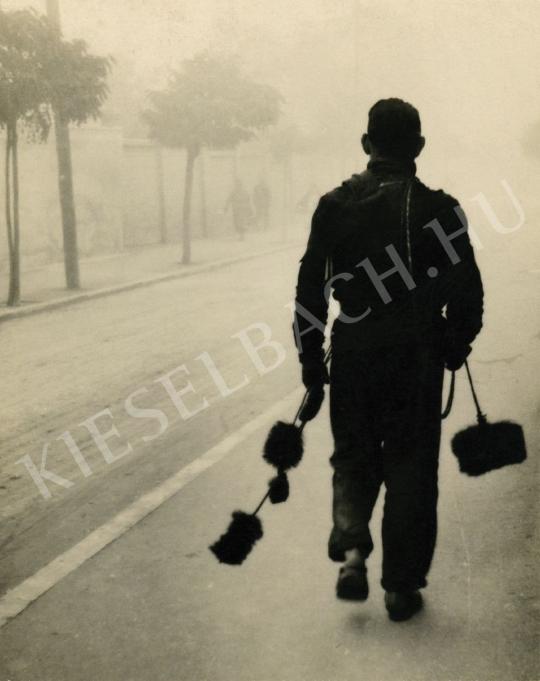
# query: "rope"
480 416
261 502
450 400
302 403
327 358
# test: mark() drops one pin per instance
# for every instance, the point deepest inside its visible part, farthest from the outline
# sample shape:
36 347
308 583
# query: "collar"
386 168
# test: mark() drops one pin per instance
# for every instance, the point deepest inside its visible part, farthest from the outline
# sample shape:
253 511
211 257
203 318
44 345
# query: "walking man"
395 255
240 205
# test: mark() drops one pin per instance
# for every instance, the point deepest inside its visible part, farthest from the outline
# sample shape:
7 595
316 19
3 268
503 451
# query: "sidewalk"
44 288
154 604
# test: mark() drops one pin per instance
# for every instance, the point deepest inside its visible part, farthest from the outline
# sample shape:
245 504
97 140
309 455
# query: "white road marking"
20 597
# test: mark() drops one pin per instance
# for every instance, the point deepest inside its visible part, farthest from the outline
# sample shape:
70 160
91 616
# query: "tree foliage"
40 73
76 80
210 102
23 37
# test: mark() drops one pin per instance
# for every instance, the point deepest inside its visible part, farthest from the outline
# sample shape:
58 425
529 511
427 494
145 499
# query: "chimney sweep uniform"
395 255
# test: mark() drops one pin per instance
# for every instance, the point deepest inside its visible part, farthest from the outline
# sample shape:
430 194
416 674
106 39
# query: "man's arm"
465 307
311 305
464 294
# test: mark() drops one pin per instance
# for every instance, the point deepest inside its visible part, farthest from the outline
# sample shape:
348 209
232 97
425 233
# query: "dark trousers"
385 406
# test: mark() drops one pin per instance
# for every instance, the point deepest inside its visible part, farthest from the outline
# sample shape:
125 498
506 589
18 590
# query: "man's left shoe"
402 606
352 584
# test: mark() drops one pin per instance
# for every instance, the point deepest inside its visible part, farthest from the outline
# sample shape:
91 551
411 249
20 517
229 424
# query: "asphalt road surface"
153 603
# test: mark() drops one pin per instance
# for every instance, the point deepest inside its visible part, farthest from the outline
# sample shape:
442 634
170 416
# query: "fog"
467 66
137 394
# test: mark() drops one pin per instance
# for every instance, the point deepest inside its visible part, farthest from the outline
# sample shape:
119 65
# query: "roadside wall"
129 193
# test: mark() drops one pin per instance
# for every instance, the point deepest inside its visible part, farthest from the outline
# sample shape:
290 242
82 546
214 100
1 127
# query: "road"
153 604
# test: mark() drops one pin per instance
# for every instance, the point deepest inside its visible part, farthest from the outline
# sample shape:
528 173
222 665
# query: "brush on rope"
284 446
486 446
283 449
278 488
234 546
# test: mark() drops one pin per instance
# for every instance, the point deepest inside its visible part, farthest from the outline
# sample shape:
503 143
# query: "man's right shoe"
352 584
402 606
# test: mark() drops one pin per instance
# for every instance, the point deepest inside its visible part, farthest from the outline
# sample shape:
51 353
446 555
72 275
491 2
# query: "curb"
37 308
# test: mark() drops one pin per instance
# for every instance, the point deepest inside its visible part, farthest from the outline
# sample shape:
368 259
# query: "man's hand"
454 350
455 355
315 374
314 377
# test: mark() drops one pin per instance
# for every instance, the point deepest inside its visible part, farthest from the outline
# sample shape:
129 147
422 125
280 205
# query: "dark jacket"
358 233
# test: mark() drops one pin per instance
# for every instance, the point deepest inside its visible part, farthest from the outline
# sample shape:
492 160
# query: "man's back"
392 273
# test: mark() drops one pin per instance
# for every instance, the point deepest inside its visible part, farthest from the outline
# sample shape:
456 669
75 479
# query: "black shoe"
352 584
402 606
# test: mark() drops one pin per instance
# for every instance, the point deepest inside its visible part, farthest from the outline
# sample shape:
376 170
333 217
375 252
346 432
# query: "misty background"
470 68
84 596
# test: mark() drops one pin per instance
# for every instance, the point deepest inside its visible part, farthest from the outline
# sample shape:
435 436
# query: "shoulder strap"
406 220
450 400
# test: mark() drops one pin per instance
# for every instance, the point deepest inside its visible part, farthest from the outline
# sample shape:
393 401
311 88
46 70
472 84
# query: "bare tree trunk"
9 222
65 178
12 214
162 216
67 202
202 188
16 217
186 216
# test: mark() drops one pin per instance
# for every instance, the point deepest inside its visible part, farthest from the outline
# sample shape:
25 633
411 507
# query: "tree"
209 102
39 72
77 83
21 100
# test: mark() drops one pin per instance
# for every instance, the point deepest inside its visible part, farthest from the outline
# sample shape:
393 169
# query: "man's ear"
419 146
366 144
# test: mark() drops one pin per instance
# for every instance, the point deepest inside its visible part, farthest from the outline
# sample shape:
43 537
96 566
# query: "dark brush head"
279 488
284 446
235 545
489 446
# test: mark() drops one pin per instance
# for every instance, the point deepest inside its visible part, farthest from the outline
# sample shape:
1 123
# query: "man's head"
393 130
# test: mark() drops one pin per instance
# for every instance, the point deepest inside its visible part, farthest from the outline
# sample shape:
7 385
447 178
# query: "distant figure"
261 204
240 205
395 253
